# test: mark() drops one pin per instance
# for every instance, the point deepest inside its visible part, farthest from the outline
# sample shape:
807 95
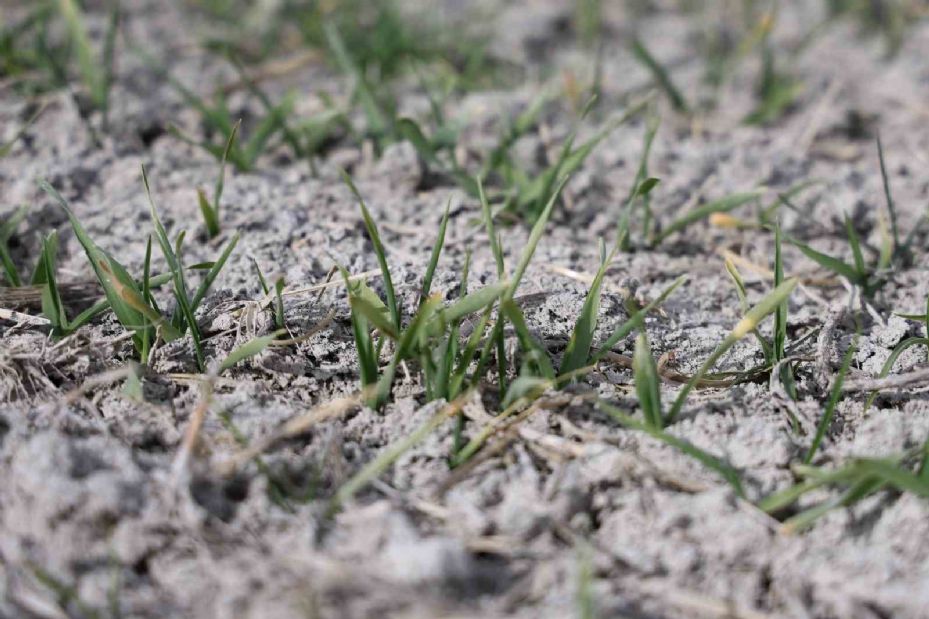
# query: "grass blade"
121 290
88 66
7 228
647 382
434 257
749 322
833 264
834 395
577 352
889 364
641 53
723 205
724 469
379 251
891 209
780 321
635 321
248 349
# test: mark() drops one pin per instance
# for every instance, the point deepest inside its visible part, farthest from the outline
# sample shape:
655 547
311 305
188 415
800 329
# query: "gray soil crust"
98 520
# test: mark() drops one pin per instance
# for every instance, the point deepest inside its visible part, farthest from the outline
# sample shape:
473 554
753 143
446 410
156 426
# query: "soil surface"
96 519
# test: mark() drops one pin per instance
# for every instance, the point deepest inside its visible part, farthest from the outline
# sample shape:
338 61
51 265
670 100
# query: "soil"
96 522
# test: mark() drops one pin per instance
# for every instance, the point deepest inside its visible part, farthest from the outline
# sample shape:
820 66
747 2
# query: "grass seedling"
636 321
7 230
766 346
859 479
725 470
868 278
373 469
7 147
746 325
661 76
124 295
779 348
647 382
723 58
239 149
722 205
279 323
899 251
184 318
768 213
834 395
509 309
588 21
96 73
254 346
900 348
640 191
379 252
219 120
577 353
380 115
430 337
858 274
776 91
210 210
131 301
528 197
53 308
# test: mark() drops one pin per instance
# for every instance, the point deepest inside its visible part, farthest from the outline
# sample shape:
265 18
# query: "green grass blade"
635 321
647 382
434 257
724 469
414 334
209 214
855 243
891 209
832 264
378 465
898 350
375 316
534 237
766 346
491 233
474 302
468 352
745 326
379 251
834 395
536 362
7 229
661 76
860 488
87 64
364 346
577 352
780 321
248 349
410 131
723 205
377 118
52 305
213 273
121 290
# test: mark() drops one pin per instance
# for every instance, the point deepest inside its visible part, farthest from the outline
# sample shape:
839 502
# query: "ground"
565 513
